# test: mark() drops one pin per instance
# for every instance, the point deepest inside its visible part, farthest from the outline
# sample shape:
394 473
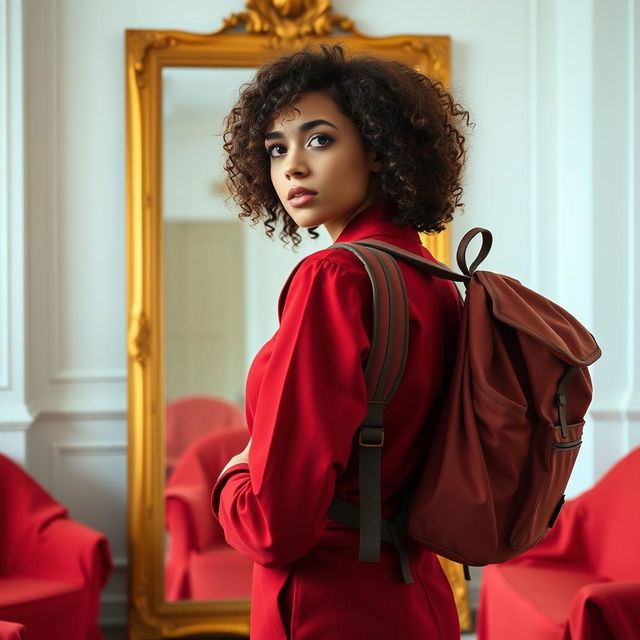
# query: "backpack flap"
537 333
551 324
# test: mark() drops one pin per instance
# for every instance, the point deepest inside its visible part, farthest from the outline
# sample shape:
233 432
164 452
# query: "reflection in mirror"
222 278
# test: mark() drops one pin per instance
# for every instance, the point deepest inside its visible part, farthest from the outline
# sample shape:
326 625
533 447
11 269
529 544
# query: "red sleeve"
312 400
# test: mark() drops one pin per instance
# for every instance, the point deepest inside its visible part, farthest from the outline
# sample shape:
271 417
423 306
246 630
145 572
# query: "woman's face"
319 149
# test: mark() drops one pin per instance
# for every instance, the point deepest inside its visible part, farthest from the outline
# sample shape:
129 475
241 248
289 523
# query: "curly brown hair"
413 124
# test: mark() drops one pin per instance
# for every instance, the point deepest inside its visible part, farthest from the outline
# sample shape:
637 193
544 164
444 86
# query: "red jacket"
305 399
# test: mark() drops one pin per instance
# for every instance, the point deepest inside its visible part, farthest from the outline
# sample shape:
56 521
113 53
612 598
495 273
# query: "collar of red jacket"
375 221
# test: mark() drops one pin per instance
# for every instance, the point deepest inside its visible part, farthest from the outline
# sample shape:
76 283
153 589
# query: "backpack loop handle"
487 241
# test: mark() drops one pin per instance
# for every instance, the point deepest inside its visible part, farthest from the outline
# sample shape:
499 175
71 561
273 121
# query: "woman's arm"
242 457
312 400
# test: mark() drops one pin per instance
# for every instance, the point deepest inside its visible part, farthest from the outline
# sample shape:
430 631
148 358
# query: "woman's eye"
272 148
323 138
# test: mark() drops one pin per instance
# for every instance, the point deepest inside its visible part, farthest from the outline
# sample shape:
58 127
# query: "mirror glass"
222 279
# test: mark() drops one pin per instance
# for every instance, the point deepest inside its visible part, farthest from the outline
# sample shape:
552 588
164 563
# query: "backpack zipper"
567 445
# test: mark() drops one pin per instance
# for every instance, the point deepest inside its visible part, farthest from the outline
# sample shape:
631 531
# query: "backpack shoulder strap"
383 372
390 331
439 269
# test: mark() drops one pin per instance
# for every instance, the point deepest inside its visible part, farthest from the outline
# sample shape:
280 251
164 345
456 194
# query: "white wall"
551 85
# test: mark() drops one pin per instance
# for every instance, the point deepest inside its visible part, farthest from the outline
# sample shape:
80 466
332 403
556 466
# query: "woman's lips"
302 199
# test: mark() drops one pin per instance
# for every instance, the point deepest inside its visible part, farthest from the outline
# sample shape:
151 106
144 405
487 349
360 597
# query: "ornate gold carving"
289 21
141 625
139 44
139 339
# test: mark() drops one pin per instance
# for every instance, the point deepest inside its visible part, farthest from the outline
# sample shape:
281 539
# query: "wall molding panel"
6 77
633 214
69 334
63 450
15 417
83 376
113 609
62 289
96 415
615 256
70 462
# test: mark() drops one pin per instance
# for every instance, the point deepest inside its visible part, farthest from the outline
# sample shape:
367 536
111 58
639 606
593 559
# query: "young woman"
368 148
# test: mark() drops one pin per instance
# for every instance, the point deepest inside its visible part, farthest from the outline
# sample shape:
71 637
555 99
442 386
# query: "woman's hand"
243 456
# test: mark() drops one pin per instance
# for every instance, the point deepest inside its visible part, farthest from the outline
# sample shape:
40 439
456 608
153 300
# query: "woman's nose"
296 166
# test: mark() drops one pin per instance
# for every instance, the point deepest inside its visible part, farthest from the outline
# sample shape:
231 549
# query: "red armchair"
200 564
11 630
581 582
191 417
51 568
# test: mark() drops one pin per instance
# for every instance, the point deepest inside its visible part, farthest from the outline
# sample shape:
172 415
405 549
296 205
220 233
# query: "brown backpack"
493 480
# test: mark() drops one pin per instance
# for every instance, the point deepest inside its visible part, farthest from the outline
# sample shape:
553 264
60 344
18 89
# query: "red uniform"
305 399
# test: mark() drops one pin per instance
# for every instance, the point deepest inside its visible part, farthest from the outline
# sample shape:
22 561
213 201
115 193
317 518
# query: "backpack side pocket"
543 484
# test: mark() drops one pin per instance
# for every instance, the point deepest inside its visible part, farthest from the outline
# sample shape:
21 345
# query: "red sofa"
51 568
582 581
200 564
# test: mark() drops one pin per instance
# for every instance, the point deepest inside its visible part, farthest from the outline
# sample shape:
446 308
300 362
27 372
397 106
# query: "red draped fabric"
51 568
605 611
582 582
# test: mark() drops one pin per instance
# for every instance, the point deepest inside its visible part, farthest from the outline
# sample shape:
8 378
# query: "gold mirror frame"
271 28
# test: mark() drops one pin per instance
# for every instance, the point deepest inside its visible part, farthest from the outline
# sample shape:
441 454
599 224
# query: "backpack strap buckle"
561 398
371 436
371 429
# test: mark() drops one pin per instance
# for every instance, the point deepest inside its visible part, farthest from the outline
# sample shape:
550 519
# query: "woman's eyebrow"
305 126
